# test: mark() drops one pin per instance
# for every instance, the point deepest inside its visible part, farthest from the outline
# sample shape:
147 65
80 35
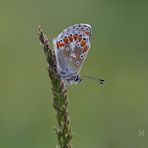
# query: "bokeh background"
109 116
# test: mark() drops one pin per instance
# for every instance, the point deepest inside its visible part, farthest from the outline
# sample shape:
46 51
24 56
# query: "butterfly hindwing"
71 48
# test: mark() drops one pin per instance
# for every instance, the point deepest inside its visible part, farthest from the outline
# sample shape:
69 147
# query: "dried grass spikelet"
60 98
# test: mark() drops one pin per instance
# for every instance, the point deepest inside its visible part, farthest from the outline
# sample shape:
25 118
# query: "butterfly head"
73 80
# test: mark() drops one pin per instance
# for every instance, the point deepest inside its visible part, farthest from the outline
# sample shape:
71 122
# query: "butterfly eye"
65 37
71 35
84 39
76 79
77 63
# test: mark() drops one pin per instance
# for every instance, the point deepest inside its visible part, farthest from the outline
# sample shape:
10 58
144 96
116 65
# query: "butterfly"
71 48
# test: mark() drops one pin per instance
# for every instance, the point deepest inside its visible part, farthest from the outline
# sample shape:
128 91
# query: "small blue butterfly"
71 49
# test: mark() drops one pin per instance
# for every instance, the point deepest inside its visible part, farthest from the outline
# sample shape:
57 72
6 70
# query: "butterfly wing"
71 48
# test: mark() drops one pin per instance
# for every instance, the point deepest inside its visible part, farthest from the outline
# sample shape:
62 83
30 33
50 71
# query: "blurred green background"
108 116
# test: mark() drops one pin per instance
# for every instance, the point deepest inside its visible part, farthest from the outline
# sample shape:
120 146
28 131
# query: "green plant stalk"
60 98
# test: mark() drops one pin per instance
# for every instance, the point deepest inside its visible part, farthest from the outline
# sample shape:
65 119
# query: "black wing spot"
77 63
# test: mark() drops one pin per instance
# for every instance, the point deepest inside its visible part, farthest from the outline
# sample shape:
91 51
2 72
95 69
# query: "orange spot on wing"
61 44
80 38
70 38
85 48
75 36
66 40
83 43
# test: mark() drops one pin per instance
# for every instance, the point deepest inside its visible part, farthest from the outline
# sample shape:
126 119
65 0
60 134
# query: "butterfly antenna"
101 81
